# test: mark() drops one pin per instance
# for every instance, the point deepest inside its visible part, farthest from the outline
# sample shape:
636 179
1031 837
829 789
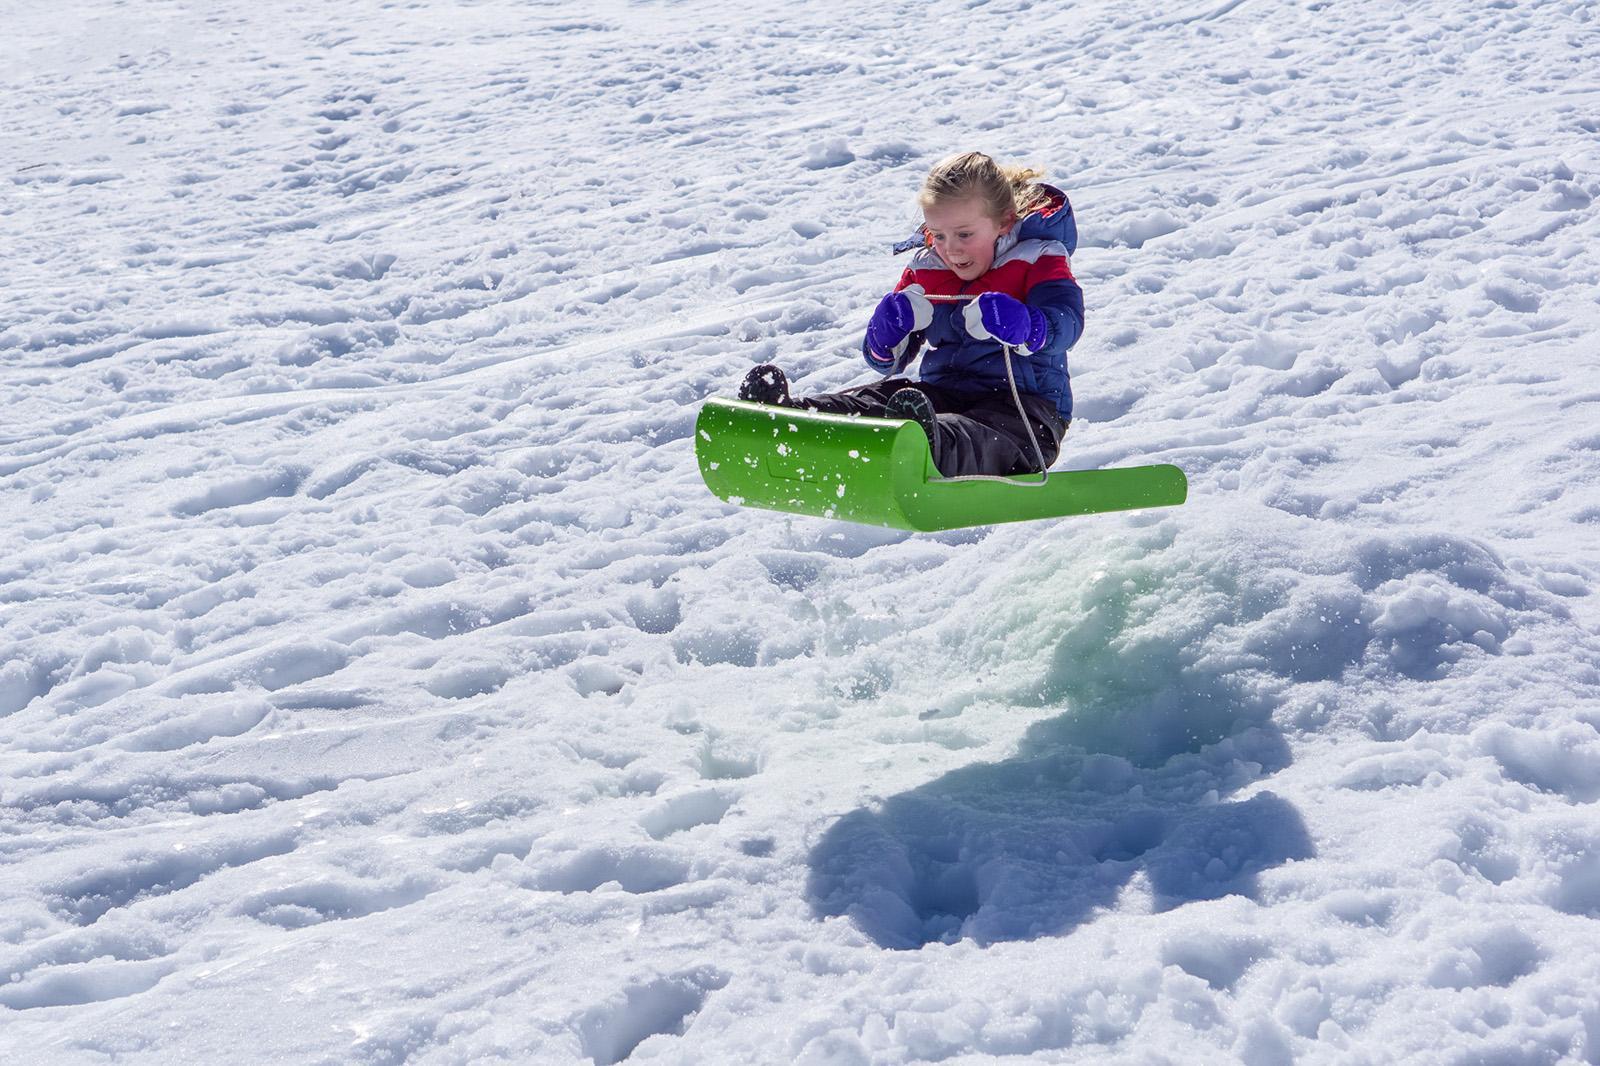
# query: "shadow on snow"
1034 845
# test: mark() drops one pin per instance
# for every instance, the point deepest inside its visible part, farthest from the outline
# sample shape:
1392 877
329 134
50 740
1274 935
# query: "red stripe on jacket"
1015 278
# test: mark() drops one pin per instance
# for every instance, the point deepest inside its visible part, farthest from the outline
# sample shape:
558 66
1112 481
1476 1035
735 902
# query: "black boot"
914 405
766 384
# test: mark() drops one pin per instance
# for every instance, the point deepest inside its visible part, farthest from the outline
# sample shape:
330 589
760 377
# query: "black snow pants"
975 432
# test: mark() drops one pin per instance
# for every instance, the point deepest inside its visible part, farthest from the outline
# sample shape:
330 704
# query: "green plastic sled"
879 471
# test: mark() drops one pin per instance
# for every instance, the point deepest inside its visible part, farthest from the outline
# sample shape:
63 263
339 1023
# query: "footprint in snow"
664 1007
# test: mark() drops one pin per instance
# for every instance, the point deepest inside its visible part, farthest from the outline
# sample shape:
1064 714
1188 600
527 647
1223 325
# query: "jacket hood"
1052 222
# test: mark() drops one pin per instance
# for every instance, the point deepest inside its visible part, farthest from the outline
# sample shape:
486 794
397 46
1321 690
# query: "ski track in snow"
378 682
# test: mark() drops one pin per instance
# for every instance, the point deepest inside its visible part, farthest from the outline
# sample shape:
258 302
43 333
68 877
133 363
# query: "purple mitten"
1007 320
897 316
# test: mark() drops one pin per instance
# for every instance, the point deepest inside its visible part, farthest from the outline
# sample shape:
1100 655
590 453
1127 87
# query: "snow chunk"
832 153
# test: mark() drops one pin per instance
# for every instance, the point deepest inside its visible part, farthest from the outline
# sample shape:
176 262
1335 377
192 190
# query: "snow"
379 683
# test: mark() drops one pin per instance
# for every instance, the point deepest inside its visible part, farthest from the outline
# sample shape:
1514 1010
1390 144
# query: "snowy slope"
378 682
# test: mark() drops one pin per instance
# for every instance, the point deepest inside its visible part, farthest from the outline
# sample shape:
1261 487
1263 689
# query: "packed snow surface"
379 683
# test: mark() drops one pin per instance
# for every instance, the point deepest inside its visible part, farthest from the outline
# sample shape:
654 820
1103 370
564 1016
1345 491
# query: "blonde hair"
1002 190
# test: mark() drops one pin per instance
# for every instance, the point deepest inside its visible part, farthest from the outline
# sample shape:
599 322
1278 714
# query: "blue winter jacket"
1032 264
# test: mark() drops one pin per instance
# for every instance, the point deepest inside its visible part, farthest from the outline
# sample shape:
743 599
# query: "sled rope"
1016 398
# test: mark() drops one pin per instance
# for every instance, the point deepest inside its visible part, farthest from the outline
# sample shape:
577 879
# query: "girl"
991 282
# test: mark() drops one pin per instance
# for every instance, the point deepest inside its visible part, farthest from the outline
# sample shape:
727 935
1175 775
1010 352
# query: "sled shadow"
1033 846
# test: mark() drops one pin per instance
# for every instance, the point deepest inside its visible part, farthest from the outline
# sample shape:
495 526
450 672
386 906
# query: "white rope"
1016 398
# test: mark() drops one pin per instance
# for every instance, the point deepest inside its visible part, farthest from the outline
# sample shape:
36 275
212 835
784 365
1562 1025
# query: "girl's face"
964 236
